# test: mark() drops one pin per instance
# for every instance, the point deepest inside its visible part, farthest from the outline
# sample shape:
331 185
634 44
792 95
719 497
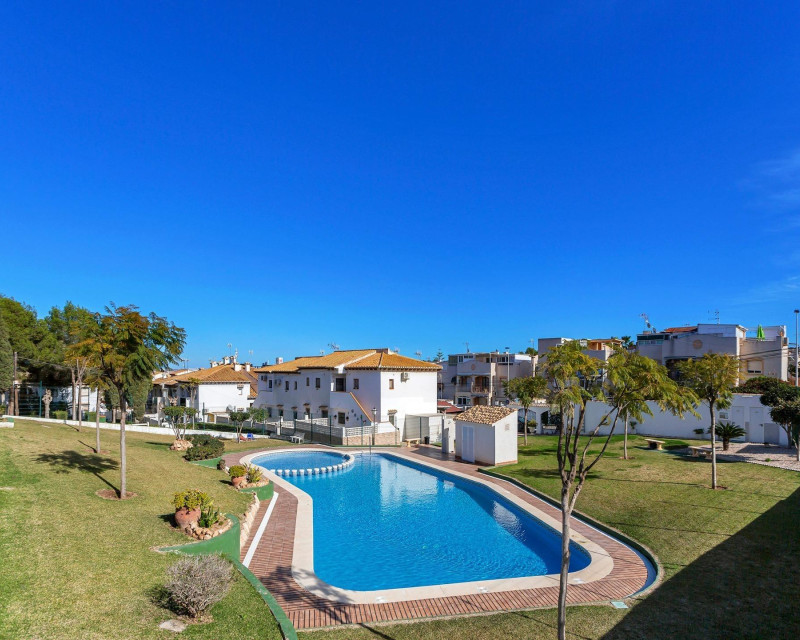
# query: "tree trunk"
525 427
713 446
72 373
97 422
123 462
80 397
562 585
625 440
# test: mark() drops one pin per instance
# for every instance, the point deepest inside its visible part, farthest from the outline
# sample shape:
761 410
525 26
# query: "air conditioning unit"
403 377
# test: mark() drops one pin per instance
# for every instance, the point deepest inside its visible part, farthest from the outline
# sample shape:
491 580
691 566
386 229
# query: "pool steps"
348 461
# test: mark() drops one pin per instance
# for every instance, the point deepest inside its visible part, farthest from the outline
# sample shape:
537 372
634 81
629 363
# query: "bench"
297 439
700 452
655 444
411 441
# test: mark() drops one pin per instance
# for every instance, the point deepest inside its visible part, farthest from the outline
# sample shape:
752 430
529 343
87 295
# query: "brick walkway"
272 563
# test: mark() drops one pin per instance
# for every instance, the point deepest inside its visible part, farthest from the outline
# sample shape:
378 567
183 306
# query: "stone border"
348 461
600 564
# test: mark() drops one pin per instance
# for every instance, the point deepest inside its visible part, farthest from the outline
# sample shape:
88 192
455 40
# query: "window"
269 412
287 385
294 413
269 384
340 384
340 417
355 383
391 383
280 413
316 383
295 385
308 381
324 413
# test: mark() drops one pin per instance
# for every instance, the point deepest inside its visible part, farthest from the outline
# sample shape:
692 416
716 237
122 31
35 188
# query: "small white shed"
487 435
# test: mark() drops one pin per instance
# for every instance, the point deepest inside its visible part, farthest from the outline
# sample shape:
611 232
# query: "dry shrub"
197 583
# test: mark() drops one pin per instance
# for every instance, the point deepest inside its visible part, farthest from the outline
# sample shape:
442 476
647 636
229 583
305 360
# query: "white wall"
494 444
219 396
746 410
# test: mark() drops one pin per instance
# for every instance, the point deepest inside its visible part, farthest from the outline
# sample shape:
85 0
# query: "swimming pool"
390 523
285 462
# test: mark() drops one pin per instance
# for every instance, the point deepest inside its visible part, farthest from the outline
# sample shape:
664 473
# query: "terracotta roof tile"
220 373
393 362
485 415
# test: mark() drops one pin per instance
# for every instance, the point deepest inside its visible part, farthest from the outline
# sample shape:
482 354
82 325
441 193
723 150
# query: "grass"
730 557
76 566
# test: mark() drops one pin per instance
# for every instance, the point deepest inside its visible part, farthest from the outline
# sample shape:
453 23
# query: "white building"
476 379
218 389
487 435
366 386
764 353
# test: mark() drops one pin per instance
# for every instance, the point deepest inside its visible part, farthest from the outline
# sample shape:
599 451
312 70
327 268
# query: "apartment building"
223 386
364 386
476 379
763 351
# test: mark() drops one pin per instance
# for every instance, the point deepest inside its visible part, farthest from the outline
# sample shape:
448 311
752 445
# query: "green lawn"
731 558
76 566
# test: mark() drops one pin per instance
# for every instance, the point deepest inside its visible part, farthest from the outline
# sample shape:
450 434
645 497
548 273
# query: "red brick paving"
272 564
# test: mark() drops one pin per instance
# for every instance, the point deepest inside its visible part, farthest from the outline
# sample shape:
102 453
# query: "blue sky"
280 176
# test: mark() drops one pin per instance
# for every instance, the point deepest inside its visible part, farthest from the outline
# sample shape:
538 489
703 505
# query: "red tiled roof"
680 329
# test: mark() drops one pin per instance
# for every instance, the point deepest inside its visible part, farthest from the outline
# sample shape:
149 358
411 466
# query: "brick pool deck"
272 564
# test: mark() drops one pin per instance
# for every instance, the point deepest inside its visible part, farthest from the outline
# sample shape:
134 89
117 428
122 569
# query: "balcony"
472 388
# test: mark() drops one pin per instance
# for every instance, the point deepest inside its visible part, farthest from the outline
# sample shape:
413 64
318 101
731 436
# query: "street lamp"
508 372
796 347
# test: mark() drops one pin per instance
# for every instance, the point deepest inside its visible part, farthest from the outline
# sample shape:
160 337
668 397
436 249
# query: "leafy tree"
67 326
727 431
784 402
712 377
178 419
439 356
524 391
125 347
572 378
258 414
760 384
238 419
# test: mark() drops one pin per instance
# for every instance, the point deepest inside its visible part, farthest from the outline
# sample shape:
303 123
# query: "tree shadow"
66 461
745 587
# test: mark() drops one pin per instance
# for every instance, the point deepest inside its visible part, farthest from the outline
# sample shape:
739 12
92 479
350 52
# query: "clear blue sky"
283 175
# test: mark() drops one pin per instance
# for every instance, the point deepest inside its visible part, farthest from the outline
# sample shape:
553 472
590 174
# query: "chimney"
279 360
247 366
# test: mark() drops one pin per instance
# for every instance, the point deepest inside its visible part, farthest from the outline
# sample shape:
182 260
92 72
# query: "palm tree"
727 431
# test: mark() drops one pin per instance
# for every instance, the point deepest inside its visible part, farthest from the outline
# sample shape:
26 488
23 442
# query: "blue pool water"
299 460
388 523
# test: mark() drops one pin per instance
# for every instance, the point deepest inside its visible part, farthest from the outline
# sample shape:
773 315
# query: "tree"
572 378
524 391
439 356
727 431
126 347
784 402
178 418
238 418
712 377
787 414
258 414
530 351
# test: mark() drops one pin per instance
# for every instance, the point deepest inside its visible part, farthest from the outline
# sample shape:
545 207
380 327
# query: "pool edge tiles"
600 565
347 461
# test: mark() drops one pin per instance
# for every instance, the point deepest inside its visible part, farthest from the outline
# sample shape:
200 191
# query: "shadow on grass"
745 587
66 461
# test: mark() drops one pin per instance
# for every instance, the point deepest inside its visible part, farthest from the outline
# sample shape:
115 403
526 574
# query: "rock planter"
186 517
206 533
253 485
239 482
181 445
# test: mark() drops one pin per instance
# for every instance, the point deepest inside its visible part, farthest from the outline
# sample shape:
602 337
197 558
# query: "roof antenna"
334 346
467 344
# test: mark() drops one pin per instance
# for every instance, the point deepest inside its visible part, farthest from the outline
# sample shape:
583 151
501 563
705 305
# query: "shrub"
237 471
197 583
192 499
209 517
699 432
204 447
60 415
3 409
254 474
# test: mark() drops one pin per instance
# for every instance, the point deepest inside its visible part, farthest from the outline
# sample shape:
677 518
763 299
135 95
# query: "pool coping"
599 567
272 564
